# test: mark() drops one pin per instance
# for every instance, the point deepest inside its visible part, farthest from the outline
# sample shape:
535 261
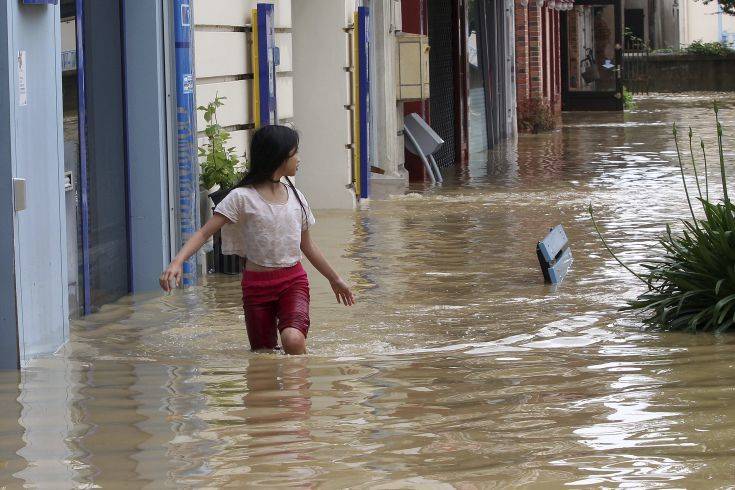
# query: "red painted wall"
415 21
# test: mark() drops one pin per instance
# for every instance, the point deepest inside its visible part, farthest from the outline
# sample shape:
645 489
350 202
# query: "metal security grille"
501 70
442 78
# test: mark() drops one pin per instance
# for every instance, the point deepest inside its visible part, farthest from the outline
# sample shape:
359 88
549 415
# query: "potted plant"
220 168
220 165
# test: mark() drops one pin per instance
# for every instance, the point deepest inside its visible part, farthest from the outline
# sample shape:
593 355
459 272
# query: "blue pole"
83 168
186 131
126 140
364 68
267 68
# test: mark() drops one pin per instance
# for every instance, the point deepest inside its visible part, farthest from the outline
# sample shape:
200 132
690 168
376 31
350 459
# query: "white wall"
387 149
700 22
321 92
313 86
222 62
667 32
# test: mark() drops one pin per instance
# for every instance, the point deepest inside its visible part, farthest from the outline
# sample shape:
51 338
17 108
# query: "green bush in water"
692 285
628 101
535 116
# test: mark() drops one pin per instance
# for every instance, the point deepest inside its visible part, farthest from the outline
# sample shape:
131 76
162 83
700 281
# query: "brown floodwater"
458 367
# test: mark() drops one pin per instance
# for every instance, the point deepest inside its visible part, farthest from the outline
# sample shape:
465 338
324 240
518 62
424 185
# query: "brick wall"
521 25
538 54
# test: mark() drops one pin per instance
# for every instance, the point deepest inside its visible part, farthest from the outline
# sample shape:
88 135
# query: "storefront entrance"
95 153
591 56
83 226
471 84
489 98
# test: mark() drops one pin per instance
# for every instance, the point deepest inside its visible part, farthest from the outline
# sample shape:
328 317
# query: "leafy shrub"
220 165
632 42
691 286
700 48
535 116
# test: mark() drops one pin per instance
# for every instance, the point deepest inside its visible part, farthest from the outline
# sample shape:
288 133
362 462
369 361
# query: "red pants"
274 301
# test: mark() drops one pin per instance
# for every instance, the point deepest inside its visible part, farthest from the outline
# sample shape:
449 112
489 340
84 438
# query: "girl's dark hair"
271 146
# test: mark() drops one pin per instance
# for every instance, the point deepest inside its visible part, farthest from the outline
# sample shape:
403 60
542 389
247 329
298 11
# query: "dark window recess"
634 28
442 78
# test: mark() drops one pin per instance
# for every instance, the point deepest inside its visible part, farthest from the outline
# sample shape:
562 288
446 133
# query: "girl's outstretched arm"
316 257
175 269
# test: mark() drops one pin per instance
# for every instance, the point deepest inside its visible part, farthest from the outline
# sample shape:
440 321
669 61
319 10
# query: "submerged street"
457 367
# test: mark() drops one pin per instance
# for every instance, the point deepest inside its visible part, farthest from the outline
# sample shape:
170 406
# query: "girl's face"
291 165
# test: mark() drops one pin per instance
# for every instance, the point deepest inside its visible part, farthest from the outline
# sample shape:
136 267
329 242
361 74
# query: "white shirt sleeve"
231 207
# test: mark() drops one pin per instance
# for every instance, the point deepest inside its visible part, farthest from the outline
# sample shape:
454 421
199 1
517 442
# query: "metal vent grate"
442 78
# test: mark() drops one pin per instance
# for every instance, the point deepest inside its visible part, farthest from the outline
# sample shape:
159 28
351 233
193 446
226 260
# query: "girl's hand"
342 292
172 273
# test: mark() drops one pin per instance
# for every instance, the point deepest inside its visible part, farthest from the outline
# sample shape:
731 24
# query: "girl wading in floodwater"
268 224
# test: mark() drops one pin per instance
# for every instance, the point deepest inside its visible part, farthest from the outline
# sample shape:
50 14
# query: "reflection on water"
458 367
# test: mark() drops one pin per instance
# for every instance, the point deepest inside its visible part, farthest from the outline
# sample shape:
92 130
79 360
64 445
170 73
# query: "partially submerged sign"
554 255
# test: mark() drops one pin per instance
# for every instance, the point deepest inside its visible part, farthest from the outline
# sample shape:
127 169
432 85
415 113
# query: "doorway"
635 30
93 87
489 77
479 109
448 84
591 56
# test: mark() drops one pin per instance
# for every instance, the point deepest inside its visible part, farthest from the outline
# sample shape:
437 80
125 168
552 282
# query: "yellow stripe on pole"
356 103
255 61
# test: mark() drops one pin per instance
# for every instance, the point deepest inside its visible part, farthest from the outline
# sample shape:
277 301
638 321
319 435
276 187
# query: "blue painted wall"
147 142
8 314
33 243
35 148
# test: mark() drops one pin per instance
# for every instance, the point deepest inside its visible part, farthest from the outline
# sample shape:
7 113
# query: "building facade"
314 88
538 56
705 22
472 102
84 169
672 24
653 23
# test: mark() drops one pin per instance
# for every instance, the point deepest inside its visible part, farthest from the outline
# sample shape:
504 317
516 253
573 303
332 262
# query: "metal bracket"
19 194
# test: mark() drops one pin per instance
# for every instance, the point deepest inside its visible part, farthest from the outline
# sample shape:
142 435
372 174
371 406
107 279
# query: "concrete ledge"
383 186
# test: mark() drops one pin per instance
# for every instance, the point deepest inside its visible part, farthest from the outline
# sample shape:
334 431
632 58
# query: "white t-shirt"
264 233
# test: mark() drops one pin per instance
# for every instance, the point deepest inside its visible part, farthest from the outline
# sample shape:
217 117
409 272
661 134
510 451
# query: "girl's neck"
273 192
270 185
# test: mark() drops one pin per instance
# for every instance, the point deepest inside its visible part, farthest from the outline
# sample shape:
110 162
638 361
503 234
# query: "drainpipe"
186 149
720 36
